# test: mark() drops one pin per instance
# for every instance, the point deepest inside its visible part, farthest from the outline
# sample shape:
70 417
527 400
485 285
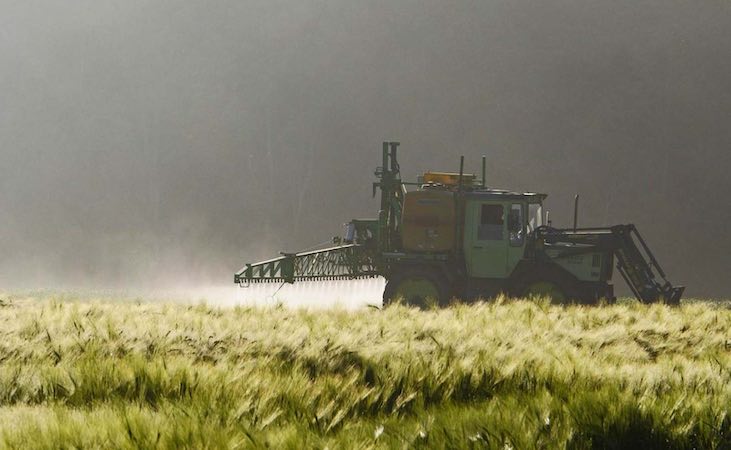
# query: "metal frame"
340 262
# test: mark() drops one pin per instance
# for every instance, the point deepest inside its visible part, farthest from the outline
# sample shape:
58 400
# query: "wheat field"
84 372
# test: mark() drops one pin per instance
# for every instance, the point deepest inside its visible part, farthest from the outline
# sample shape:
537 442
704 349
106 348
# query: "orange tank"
448 179
428 221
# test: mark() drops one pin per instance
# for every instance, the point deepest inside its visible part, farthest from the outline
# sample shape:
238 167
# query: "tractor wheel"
547 282
417 287
545 289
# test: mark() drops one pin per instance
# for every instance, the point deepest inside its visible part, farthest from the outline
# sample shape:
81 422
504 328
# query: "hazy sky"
153 142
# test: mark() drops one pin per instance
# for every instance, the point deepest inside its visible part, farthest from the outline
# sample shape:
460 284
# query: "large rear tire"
420 287
549 282
545 289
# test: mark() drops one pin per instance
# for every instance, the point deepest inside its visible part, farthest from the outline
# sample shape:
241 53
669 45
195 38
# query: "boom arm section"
635 263
340 262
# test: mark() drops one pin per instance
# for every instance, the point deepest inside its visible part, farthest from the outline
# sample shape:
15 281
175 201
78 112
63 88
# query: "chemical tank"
429 220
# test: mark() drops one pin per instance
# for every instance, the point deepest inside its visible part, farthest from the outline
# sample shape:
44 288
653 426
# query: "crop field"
79 372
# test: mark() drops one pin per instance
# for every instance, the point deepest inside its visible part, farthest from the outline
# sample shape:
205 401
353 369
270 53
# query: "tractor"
448 236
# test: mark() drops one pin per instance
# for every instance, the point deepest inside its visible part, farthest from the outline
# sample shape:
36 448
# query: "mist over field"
148 143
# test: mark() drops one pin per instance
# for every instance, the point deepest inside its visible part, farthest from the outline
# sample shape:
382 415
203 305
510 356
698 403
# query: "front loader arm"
635 263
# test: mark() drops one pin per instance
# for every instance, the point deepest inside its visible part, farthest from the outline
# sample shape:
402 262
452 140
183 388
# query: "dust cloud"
164 143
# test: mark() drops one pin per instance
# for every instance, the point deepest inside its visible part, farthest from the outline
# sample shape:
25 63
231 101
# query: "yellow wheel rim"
545 289
416 291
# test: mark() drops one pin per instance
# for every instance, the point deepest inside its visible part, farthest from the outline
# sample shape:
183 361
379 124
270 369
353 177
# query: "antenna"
461 172
484 163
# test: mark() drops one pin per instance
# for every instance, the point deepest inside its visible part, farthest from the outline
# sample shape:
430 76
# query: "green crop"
79 372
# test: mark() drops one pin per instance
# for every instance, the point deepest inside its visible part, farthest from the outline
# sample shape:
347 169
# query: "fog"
155 143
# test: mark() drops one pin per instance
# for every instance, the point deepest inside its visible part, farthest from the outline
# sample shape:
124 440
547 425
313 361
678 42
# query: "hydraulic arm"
636 264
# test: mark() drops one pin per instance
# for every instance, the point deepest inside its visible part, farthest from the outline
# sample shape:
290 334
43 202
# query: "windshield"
535 216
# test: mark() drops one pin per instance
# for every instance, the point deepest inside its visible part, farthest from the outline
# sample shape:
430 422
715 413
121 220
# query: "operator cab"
497 224
452 210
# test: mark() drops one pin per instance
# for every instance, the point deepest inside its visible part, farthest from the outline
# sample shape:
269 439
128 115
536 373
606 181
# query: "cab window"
491 223
515 224
535 216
